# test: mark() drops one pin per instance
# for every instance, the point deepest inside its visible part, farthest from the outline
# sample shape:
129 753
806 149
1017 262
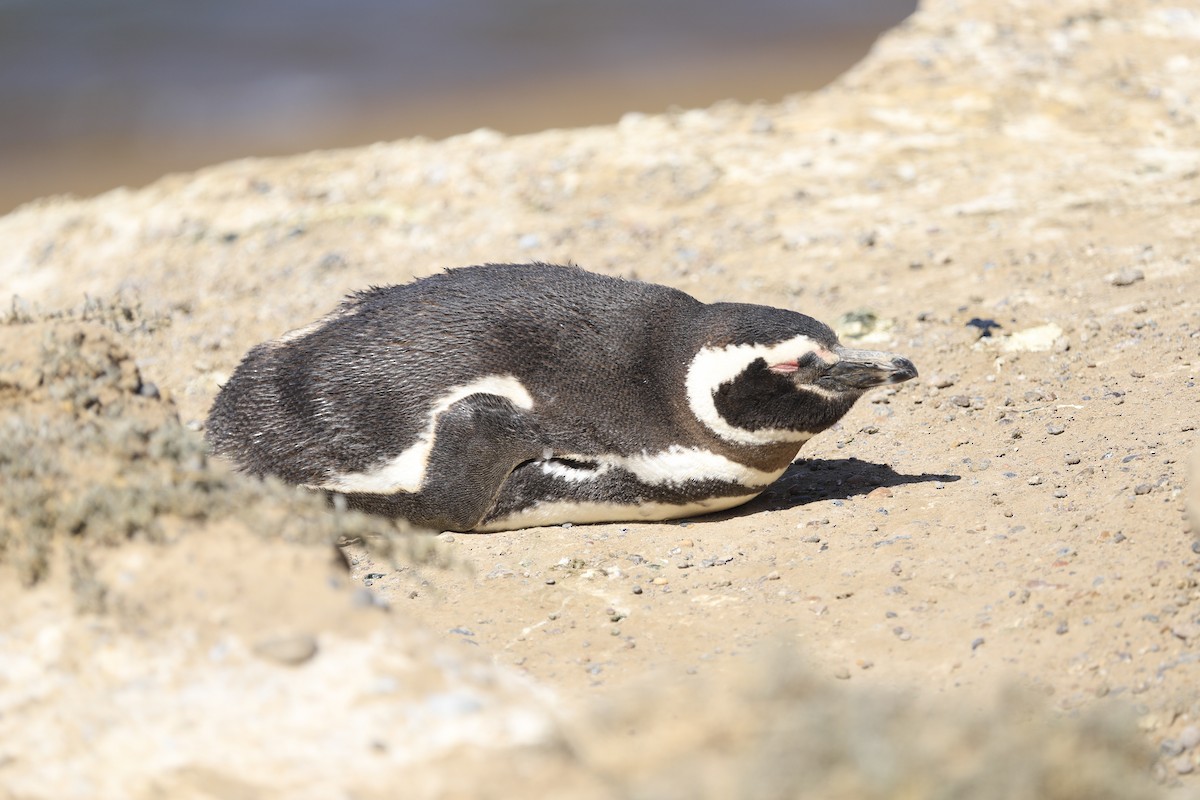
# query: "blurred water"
96 93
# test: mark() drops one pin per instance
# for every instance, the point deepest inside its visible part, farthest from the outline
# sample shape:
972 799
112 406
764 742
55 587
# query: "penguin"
507 396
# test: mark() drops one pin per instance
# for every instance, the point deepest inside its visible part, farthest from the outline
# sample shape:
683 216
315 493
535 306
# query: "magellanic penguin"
507 396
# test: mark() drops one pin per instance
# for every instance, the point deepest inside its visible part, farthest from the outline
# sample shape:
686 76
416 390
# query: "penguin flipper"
478 442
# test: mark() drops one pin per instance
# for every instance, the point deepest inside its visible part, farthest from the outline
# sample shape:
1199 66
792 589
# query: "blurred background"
102 93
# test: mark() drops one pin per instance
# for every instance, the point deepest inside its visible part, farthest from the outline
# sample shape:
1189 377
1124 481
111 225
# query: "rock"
290 649
983 327
1126 277
1188 631
1032 340
1189 737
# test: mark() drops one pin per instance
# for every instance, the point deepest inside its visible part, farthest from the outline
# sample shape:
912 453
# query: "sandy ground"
1012 521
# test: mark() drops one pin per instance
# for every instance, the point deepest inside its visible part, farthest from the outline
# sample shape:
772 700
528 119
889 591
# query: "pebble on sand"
1189 737
1126 277
291 649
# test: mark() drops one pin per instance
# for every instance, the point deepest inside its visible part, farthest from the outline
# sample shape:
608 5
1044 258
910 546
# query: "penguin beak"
862 369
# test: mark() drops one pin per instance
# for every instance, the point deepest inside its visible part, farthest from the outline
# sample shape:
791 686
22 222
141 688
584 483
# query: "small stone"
842 673
961 400
1142 488
901 633
550 581
1060 493
1054 429
1171 747
445 537
1062 628
877 493
977 643
983 327
290 649
1183 765
772 576
660 581
1036 480
762 124
943 381
1189 737
1186 631
1071 459
636 590
1137 373
1126 277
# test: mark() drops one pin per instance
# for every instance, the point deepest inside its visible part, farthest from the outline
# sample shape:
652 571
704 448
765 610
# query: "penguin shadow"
824 479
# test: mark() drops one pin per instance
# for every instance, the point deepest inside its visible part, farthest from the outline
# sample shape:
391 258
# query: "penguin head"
768 376
836 370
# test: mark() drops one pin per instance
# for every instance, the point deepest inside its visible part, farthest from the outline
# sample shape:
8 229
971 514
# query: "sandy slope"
1015 516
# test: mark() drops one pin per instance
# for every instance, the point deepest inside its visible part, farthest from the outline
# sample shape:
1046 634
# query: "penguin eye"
805 363
808 361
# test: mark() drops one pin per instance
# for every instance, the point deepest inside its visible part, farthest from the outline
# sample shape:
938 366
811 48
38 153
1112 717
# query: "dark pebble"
636 590
984 326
